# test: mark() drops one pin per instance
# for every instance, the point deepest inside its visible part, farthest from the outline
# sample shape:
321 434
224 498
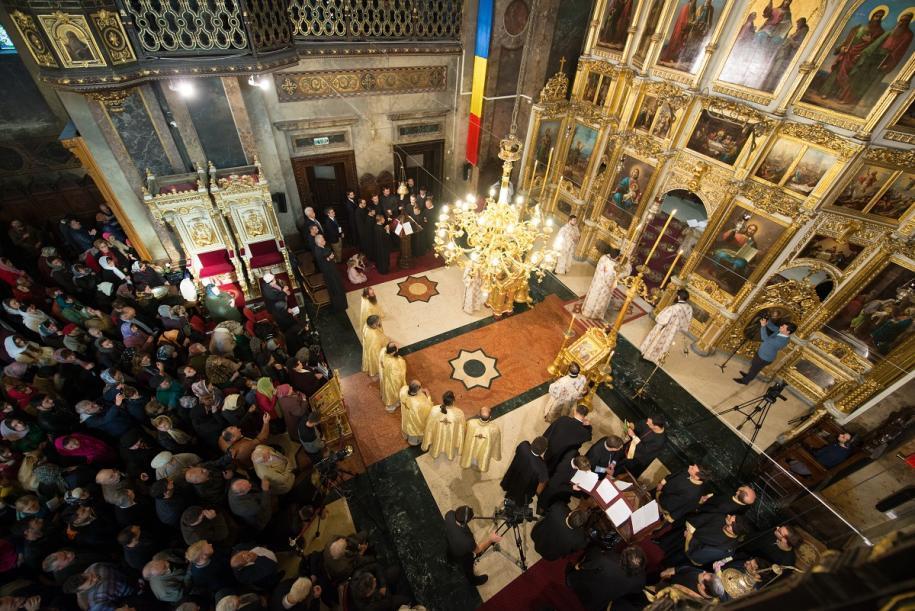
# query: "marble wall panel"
140 138
212 118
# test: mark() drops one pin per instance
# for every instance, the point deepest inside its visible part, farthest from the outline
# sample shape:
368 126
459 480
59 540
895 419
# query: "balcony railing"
375 20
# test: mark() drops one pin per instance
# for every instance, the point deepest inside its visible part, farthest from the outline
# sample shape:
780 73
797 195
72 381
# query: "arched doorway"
682 233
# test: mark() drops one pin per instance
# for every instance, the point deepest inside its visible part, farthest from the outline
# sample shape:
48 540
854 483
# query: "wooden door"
322 182
422 161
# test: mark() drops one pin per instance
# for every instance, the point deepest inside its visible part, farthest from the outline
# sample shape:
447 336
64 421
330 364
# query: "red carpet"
420 264
542 587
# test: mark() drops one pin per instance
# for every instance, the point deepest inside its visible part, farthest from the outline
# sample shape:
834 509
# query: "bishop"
603 283
566 241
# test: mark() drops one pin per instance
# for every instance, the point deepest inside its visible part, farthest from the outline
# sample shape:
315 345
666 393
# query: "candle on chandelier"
546 174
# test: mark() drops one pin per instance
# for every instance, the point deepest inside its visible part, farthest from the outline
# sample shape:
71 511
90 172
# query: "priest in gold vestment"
393 369
482 442
373 342
444 429
368 307
415 406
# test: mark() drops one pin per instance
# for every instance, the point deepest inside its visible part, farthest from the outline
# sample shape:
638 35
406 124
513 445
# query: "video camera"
513 514
774 392
327 466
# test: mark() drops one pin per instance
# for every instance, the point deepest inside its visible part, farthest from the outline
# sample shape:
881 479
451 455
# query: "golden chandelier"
502 244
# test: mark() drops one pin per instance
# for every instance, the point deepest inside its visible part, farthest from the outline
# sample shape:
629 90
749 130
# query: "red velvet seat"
264 254
214 263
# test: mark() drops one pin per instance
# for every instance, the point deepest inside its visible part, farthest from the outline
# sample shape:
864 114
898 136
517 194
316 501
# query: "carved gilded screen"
865 55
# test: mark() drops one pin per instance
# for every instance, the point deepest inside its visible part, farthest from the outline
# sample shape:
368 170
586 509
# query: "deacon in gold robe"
373 342
369 306
415 405
482 442
393 375
444 429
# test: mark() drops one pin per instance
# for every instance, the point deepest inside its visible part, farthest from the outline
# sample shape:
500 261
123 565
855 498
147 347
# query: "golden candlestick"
553 369
660 235
546 175
670 269
556 194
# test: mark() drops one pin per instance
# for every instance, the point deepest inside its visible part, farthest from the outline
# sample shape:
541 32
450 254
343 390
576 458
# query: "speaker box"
279 200
468 170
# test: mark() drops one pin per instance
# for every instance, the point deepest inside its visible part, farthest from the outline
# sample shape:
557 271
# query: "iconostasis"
781 133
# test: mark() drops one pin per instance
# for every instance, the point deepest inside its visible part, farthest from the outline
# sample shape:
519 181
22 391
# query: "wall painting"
690 30
719 138
615 28
579 155
838 253
630 187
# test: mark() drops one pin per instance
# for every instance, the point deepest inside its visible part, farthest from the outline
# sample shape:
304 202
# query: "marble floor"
701 376
407 323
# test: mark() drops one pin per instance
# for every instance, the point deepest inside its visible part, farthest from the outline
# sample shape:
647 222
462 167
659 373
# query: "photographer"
774 338
560 532
462 547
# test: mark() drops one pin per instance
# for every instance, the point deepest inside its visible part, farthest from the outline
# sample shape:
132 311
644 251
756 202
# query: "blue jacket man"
774 338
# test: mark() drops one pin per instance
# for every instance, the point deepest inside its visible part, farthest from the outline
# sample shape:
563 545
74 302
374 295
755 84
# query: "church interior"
457 304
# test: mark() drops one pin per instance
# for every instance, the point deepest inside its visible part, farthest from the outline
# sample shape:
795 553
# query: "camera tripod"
754 412
501 529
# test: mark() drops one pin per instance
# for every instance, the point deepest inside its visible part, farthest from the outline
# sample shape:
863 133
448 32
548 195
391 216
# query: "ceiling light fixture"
184 88
256 80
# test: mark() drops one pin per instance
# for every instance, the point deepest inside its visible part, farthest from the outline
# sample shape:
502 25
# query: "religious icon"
837 253
603 90
738 249
546 139
897 199
202 233
72 40
809 170
719 138
254 223
646 114
651 24
875 42
768 41
906 121
591 87
579 154
779 159
857 194
688 34
615 29
879 318
629 189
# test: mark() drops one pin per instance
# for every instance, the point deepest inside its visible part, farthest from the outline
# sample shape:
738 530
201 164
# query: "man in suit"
351 204
560 532
333 233
773 339
312 220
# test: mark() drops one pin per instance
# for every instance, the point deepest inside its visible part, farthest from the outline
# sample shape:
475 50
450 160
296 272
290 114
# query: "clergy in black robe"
565 434
382 250
736 505
777 546
388 203
351 205
368 233
560 532
428 218
651 441
326 262
527 474
603 576
560 488
604 454
362 226
714 536
680 494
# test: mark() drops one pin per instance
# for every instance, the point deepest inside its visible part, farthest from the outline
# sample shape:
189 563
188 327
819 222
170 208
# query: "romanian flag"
481 55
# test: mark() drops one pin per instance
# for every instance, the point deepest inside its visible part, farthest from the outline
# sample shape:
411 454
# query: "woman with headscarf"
220 304
80 447
44 265
134 337
111 272
21 435
16 390
172 438
72 310
108 352
27 352
26 291
169 391
222 341
173 318
293 406
265 397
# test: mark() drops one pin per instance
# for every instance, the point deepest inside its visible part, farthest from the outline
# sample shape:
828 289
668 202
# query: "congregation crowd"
158 448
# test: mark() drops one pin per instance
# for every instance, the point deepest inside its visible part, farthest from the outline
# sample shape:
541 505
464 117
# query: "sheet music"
618 512
621 485
295 310
606 491
399 229
645 516
586 480
407 228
